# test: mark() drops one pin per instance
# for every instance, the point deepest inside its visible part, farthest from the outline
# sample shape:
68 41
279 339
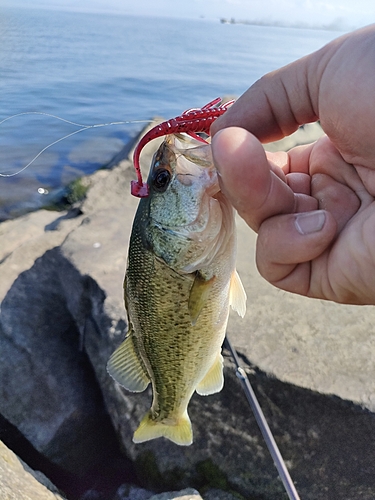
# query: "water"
94 68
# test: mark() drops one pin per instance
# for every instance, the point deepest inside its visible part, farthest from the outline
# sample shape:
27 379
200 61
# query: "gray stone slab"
19 482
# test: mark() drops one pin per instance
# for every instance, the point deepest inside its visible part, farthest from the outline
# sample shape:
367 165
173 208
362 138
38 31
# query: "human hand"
313 207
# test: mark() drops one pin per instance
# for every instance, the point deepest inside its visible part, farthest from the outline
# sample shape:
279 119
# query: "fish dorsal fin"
199 294
126 367
237 295
213 381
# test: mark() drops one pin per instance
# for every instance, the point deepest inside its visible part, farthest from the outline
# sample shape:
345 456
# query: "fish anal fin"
199 294
213 381
127 368
237 295
179 431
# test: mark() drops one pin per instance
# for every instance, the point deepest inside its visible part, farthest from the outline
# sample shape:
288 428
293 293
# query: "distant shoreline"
336 25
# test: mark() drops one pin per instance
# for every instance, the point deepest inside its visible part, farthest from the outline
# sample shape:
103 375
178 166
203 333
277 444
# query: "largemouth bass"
179 285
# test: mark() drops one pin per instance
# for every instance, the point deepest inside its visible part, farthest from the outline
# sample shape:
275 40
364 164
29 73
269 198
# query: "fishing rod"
263 425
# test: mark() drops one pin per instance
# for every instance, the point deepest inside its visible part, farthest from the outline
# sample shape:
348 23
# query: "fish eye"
161 179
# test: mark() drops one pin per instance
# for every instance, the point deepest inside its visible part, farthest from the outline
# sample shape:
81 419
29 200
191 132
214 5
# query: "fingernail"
310 222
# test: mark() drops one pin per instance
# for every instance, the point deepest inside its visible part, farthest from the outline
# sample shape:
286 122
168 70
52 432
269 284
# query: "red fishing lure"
191 122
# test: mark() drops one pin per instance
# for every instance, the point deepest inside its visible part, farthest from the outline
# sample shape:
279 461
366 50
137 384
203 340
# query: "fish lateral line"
82 128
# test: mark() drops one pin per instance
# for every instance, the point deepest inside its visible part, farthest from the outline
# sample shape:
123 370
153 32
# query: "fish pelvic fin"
179 432
237 295
213 381
126 367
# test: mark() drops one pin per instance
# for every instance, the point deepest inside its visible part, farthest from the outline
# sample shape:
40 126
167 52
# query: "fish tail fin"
180 431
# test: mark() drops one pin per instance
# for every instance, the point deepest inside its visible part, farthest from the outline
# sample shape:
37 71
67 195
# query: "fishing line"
82 129
263 425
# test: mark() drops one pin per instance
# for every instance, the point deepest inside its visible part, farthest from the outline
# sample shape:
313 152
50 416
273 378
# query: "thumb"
247 179
289 245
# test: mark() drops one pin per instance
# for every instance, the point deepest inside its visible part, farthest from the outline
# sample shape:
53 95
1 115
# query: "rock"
159 458
309 362
215 494
187 494
48 390
130 492
19 482
326 347
25 239
47 384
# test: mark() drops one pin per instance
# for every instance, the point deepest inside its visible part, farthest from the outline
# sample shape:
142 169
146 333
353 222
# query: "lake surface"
99 68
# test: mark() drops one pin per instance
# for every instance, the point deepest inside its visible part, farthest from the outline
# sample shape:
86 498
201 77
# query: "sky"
344 13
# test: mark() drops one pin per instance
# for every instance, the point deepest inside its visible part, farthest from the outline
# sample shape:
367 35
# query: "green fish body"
179 284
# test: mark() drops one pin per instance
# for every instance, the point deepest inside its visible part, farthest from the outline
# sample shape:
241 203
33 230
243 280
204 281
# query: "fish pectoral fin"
199 294
178 431
213 381
237 295
127 368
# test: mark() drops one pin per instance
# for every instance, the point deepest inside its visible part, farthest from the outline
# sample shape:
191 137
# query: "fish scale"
176 338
